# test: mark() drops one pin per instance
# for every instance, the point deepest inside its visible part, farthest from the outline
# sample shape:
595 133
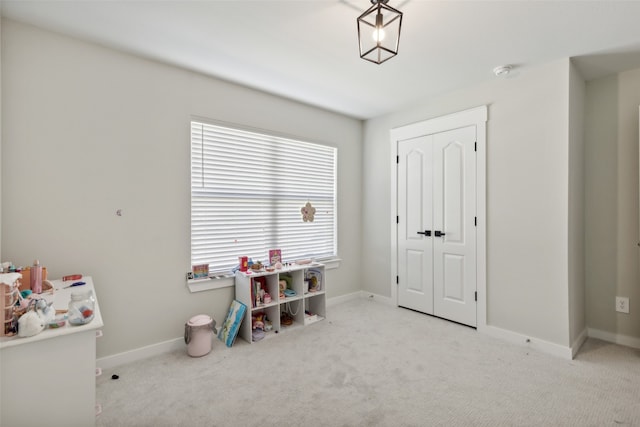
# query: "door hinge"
475 146
398 219
475 221
476 295
397 280
398 159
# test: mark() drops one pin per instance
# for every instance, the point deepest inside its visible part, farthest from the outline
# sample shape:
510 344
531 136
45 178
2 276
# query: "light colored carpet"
369 364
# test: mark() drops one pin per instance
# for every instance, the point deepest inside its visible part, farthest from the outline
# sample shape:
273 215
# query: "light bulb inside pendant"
378 33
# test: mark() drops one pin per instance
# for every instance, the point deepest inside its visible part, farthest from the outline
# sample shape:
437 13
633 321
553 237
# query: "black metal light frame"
379 16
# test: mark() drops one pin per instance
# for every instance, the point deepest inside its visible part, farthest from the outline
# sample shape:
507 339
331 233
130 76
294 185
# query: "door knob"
425 232
439 233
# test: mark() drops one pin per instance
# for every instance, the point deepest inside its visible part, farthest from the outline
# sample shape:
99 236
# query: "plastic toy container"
199 332
81 307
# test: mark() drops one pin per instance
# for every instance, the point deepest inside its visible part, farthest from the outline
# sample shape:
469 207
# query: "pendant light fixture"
379 32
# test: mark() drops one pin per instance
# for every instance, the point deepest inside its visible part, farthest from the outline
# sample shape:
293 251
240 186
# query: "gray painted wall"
612 254
89 130
576 254
527 197
1 138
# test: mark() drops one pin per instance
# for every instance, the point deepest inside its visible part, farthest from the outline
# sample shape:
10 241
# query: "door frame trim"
475 116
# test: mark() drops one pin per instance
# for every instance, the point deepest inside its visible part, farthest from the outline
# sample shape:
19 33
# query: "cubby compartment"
314 308
294 291
265 322
313 280
264 291
290 284
291 313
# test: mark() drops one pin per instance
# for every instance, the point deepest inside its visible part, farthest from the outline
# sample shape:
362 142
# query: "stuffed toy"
30 324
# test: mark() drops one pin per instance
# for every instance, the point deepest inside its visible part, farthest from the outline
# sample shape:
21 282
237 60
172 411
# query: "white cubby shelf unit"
306 307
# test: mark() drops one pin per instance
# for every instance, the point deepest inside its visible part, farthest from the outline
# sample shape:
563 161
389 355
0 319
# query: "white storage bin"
199 332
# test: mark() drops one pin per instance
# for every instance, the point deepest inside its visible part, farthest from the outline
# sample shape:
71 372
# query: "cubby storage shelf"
306 307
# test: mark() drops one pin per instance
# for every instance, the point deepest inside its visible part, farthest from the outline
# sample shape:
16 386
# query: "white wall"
576 236
612 252
88 131
527 197
601 201
1 137
628 280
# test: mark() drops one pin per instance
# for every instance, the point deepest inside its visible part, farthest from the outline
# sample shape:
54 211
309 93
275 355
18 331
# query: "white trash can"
199 332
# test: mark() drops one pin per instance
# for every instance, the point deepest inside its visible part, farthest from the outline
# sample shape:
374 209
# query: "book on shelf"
258 289
275 256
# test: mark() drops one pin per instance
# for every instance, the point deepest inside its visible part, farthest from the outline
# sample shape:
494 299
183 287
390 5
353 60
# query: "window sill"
330 263
217 282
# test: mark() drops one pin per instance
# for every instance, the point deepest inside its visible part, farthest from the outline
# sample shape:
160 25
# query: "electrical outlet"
622 305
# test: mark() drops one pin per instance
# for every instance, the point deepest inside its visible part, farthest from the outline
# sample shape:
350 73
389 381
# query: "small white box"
308 319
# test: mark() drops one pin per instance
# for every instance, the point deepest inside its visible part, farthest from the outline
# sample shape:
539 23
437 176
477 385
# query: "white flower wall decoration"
308 212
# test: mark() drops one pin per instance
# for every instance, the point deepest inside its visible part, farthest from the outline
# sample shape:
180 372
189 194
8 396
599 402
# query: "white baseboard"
378 298
343 298
510 336
136 354
119 359
530 342
359 294
625 340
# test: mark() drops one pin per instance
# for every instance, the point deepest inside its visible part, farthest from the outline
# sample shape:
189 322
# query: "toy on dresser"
23 312
30 324
9 295
39 314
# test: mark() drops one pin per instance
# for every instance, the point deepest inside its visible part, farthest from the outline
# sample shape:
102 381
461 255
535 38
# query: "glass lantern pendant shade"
379 32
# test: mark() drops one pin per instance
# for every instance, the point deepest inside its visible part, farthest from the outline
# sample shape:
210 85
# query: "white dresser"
50 379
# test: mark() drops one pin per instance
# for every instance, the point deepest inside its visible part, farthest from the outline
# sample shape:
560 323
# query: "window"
247 191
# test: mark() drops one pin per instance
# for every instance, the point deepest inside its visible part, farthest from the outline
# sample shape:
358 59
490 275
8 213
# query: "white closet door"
454 197
436 225
415 248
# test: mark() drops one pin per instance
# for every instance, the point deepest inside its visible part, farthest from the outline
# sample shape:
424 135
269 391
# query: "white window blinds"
247 190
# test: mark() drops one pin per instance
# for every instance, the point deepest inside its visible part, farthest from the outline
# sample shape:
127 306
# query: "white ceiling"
308 51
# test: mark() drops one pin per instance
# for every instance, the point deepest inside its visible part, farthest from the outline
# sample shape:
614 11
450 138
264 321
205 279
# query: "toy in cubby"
260 324
313 278
286 286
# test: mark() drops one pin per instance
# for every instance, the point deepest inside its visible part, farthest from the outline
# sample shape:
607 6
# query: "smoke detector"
502 70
